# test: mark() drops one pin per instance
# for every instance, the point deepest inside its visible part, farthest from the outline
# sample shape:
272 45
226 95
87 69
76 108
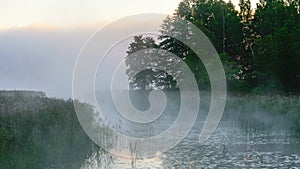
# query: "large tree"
220 22
149 68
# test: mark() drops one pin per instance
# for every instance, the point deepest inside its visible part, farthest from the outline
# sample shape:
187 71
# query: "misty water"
229 147
248 136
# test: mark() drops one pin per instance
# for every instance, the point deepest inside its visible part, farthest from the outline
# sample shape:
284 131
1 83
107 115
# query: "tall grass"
265 111
39 132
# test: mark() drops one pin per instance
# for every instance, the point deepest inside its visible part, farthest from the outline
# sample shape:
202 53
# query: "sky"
40 39
49 13
58 13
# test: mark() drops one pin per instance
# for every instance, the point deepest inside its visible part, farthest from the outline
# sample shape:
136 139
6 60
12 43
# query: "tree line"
258 46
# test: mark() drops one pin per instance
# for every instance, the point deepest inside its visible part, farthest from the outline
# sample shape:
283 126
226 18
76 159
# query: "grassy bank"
40 132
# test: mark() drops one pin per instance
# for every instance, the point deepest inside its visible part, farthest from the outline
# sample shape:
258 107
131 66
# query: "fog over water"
42 59
251 134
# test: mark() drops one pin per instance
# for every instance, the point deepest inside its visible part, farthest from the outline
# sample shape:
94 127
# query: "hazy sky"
76 12
49 13
40 39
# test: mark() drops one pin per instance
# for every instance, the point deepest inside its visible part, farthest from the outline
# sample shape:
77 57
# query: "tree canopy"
259 46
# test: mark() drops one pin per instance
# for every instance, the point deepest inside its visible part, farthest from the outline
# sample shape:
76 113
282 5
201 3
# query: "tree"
277 49
153 79
146 66
257 47
249 36
218 20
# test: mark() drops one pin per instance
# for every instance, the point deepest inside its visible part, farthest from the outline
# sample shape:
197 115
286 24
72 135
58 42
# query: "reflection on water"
230 147
250 135
99 159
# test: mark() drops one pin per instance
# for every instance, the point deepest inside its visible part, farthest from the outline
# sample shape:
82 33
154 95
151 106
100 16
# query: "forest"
258 46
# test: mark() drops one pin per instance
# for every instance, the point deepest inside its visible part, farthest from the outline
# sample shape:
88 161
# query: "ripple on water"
228 147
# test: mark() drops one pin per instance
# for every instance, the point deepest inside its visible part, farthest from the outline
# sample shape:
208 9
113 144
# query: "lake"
249 135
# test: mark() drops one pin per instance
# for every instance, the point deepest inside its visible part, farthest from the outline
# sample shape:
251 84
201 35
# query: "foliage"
39 132
262 43
148 68
277 49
